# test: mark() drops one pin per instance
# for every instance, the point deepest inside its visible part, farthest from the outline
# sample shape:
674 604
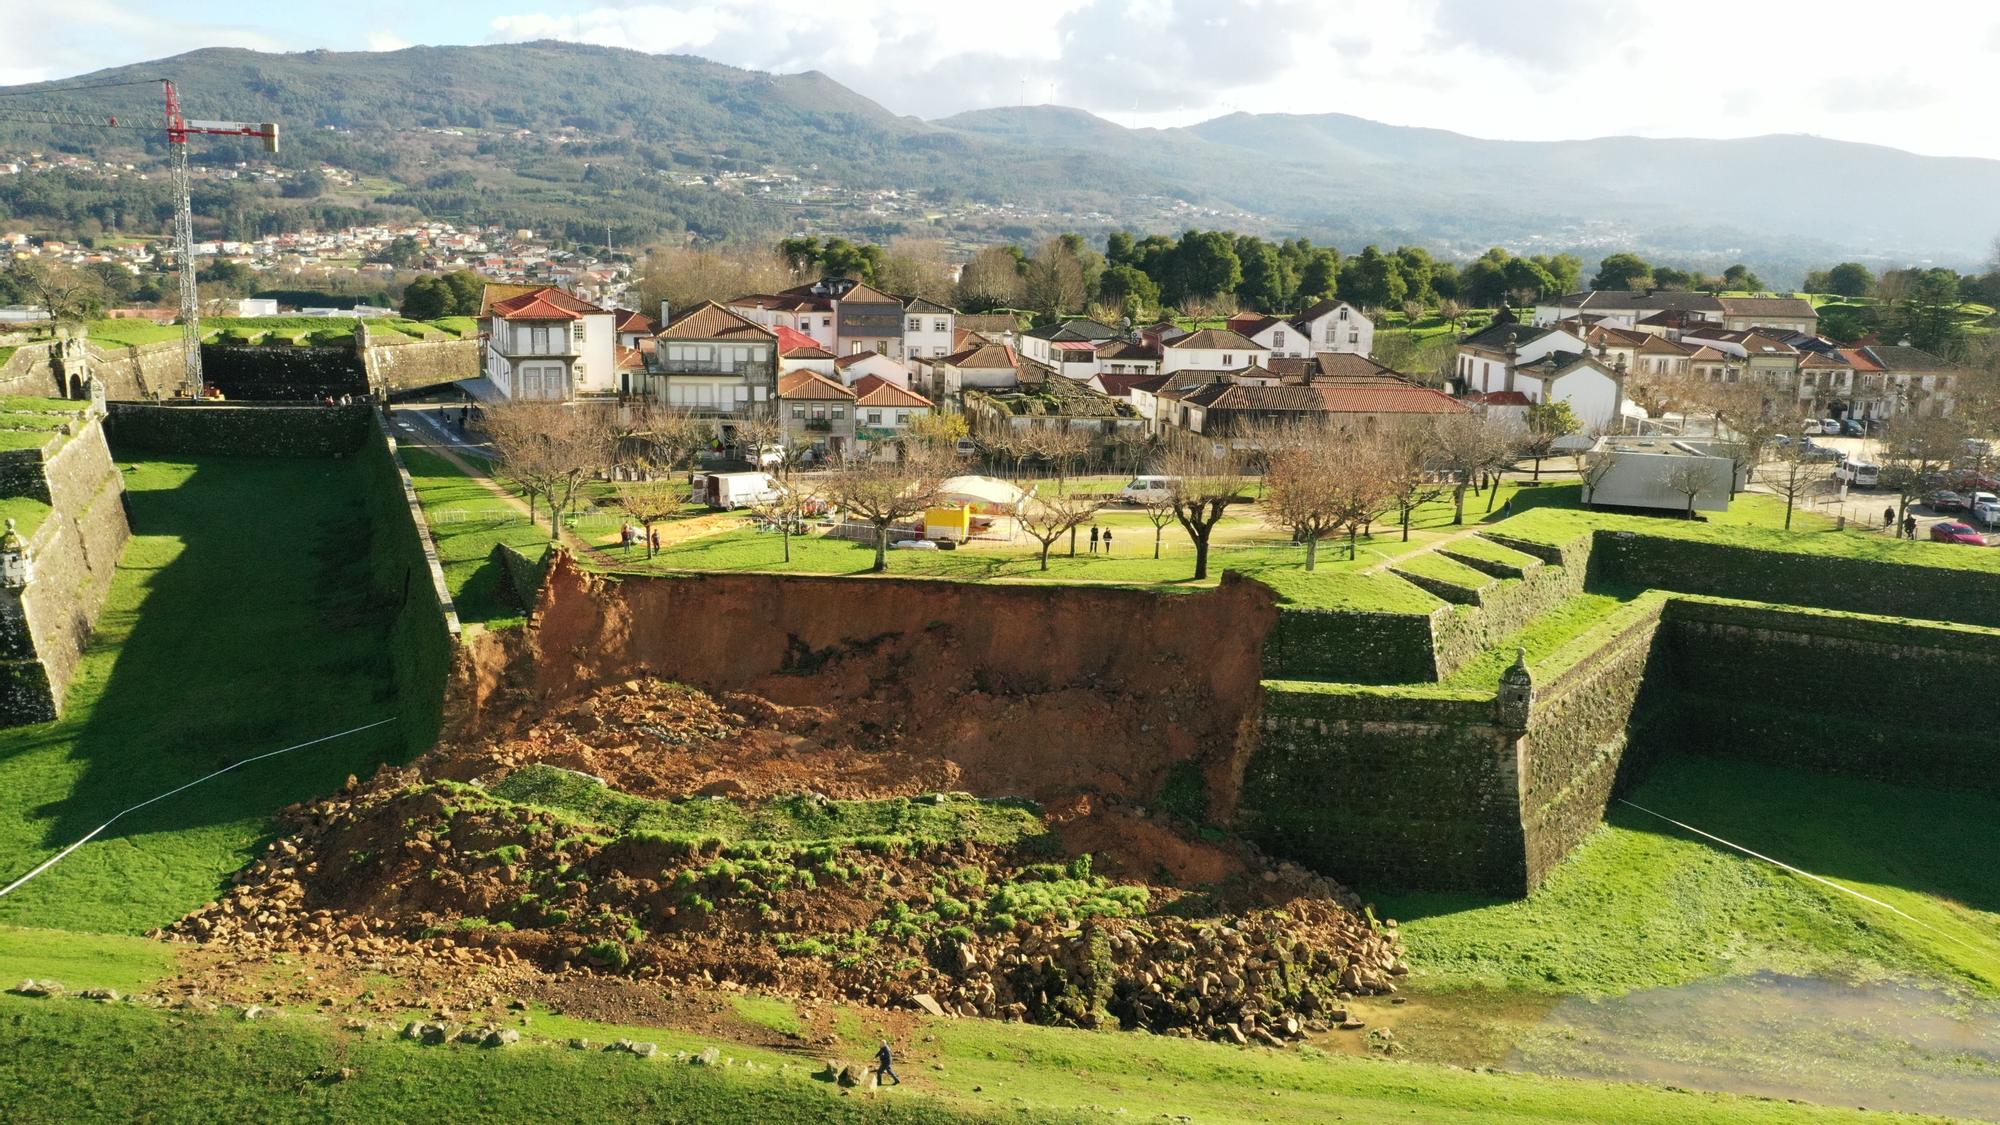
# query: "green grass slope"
240 621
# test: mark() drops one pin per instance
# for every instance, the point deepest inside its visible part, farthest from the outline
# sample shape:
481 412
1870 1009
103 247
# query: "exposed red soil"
996 689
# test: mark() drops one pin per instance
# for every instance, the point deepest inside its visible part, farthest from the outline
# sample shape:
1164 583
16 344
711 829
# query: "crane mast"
179 129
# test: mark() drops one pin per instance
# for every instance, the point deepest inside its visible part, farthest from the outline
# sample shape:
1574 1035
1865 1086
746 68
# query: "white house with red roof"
884 412
851 369
544 343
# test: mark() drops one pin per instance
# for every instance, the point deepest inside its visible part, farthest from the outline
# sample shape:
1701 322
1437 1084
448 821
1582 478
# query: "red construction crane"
179 129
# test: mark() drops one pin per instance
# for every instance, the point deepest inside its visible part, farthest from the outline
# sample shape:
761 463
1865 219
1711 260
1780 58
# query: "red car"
1951 532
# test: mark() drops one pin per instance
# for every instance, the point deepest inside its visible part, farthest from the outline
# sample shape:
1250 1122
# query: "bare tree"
1049 519
1743 410
1321 489
1690 477
686 276
651 501
1452 312
1058 447
787 509
549 449
69 295
1409 470
1794 475
1204 484
1914 450
1467 445
883 493
917 267
1592 466
758 433
1054 279
654 437
1158 509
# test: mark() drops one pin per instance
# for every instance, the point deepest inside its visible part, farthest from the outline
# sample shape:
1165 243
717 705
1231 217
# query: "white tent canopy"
983 493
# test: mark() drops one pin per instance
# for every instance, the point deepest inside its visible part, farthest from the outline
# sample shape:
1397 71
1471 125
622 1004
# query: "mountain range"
559 132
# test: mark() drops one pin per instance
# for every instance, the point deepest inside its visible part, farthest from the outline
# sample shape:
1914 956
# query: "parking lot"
1864 506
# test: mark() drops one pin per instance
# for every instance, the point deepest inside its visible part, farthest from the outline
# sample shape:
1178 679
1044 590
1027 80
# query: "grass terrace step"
1494 558
1446 577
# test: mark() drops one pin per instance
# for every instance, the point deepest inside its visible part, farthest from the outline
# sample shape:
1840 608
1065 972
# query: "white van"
1145 490
735 490
1859 474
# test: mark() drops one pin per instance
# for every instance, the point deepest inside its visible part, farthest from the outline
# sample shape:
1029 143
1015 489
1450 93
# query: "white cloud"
49 41
1916 75
1531 69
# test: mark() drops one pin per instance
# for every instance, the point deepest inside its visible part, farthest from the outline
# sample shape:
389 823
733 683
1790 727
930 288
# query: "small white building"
1649 472
1335 326
1212 349
543 343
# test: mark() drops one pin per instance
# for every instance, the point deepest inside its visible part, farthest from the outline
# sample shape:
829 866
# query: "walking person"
1107 540
1909 527
1888 518
885 1065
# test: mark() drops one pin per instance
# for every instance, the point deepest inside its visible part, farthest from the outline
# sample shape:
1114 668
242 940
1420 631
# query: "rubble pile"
1002 922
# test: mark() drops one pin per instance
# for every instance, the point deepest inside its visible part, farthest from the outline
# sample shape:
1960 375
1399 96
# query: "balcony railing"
819 425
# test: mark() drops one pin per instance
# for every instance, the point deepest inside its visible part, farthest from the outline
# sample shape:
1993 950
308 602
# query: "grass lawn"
71 1060
1642 904
239 622
468 521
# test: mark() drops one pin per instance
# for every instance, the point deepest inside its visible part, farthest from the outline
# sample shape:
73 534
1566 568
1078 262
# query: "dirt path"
1467 531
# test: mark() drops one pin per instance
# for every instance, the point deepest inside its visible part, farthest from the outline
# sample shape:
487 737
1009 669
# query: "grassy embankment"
240 621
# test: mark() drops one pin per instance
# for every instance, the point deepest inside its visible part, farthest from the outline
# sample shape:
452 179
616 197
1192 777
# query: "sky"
1922 75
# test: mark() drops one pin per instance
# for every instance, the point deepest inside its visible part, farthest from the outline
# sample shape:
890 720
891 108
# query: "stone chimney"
663 312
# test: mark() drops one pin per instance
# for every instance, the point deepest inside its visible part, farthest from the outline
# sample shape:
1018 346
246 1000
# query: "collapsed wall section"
1035 690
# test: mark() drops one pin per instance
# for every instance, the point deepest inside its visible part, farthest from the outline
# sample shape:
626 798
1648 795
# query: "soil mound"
751 843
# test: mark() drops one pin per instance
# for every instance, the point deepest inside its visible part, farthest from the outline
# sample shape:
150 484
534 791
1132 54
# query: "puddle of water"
1882 1045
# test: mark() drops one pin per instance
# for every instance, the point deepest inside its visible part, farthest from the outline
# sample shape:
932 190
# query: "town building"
716 364
539 342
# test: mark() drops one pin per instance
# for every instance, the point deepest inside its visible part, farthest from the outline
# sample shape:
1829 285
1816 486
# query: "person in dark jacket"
885 1065
1909 527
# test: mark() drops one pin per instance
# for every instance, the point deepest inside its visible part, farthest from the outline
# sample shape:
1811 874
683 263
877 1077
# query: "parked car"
1951 531
1811 426
1814 451
1944 500
1852 427
1830 426
1971 482
1987 514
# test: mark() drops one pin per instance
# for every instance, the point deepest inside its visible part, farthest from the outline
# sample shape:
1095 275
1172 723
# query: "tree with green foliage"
1374 279
841 258
1549 422
427 298
1739 276
1120 249
1566 270
1128 287
1204 263
403 252
1418 267
1928 317
1265 285
1624 270
1524 275
1319 277
801 252
1850 279
467 288
1483 281
1669 277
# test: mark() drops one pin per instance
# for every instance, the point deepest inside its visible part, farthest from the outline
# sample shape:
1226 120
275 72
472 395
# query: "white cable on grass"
1801 872
58 857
